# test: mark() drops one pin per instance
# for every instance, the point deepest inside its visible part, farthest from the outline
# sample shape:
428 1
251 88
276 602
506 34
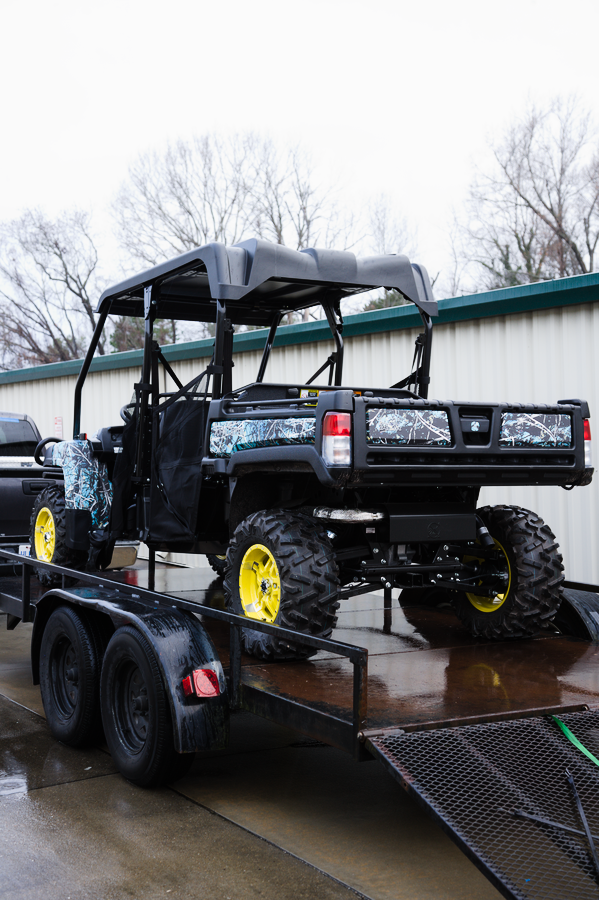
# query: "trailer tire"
136 714
47 535
70 662
535 569
282 564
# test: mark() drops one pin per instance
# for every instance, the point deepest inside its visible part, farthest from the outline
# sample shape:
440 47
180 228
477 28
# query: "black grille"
474 777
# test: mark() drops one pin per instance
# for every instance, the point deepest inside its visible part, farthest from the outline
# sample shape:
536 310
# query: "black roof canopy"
257 280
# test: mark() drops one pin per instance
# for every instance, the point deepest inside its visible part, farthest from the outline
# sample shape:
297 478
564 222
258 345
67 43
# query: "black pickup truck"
310 484
21 478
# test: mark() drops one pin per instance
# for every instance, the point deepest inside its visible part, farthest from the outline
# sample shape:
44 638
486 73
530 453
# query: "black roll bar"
85 368
268 347
336 329
424 376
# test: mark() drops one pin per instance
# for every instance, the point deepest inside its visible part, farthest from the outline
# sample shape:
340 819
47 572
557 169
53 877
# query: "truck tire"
533 563
47 535
218 563
136 714
281 569
70 662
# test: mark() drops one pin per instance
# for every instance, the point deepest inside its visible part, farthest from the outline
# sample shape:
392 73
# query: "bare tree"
388 232
48 288
290 208
195 192
224 189
535 215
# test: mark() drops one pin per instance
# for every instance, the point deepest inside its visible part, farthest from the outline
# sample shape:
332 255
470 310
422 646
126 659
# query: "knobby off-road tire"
535 571
47 535
217 563
70 662
136 713
296 581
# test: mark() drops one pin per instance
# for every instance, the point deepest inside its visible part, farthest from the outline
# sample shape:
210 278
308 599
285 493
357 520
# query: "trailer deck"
462 724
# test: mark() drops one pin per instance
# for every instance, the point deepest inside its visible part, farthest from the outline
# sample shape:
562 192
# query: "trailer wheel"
281 569
48 531
70 661
218 563
529 556
135 713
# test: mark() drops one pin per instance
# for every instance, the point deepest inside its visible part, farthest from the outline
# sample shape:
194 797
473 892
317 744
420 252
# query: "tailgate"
429 441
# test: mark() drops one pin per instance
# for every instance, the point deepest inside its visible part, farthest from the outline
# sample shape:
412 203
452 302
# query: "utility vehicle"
310 484
319 493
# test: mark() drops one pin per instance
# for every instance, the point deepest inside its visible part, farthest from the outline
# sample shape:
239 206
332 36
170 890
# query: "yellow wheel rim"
45 535
490 604
260 584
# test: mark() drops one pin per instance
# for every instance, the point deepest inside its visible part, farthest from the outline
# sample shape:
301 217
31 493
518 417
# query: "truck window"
17 437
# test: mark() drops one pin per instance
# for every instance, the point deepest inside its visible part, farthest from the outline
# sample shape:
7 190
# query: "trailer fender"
181 645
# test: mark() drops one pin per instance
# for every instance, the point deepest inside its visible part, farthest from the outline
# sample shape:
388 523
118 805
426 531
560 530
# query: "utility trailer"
318 495
467 728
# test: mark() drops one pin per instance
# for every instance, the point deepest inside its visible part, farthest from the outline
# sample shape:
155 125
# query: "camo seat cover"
86 481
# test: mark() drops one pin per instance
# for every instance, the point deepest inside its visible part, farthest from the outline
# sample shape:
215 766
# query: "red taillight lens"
202 683
336 425
588 455
336 439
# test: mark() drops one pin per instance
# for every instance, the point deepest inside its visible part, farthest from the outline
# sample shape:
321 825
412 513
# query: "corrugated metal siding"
539 356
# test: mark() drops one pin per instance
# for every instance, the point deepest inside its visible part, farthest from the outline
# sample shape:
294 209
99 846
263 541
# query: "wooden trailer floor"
426 669
423 666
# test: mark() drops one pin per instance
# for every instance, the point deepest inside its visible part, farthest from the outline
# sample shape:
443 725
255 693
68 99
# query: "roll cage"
256 283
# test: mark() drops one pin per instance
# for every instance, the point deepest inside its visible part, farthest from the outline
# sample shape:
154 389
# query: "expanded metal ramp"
477 781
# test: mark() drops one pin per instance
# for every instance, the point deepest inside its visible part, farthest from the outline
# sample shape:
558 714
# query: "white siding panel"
538 357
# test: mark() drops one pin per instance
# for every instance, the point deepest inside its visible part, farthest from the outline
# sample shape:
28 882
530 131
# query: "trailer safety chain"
574 740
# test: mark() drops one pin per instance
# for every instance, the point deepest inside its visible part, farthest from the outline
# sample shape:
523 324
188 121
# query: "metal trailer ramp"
472 779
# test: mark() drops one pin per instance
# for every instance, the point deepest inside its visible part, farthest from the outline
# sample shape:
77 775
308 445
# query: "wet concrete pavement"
70 827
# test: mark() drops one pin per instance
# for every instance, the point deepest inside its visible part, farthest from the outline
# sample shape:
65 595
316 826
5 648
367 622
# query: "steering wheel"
37 455
127 412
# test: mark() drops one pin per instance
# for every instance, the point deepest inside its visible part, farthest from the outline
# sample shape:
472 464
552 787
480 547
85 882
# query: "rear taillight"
202 683
336 439
588 457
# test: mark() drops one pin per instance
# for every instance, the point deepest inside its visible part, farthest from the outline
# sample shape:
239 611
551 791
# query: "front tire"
136 714
527 549
48 533
70 662
217 562
281 569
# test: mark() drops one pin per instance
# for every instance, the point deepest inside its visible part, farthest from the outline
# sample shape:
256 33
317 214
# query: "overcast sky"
388 96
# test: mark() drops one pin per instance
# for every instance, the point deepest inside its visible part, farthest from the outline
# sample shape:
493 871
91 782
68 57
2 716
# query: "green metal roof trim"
505 301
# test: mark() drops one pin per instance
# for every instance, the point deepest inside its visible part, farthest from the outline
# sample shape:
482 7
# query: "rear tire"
47 536
281 569
136 714
535 571
70 662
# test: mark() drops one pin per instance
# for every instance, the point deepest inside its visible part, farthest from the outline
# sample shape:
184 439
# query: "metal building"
535 343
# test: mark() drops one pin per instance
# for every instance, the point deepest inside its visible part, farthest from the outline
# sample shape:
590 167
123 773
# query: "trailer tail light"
201 683
588 456
336 439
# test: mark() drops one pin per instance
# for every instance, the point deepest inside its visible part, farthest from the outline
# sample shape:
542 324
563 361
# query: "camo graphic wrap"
398 427
86 481
250 434
535 430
